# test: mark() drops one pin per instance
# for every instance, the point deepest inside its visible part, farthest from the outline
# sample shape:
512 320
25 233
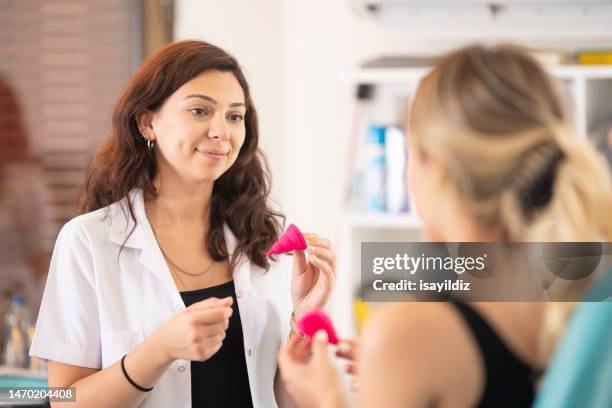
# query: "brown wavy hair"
240 195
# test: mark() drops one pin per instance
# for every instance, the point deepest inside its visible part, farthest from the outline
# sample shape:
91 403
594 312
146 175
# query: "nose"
218 128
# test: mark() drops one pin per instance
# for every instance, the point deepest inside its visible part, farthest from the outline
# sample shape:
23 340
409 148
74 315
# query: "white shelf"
383 221
388 75
581 71
404 75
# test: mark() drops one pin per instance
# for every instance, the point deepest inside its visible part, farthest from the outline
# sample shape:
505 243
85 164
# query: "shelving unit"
589 93
583 82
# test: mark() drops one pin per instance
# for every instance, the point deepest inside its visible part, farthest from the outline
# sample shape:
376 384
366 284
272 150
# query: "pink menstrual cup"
317 320
291 240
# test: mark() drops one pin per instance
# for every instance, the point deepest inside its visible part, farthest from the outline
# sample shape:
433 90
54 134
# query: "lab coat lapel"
248 302
141 238
151 256
152 259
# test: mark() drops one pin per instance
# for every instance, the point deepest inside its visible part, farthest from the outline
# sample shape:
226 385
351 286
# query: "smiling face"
200 128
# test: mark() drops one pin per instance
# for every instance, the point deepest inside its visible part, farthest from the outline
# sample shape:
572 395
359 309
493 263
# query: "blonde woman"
491 159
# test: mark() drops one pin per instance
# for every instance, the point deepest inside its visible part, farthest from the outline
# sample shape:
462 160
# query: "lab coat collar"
142 238
122 222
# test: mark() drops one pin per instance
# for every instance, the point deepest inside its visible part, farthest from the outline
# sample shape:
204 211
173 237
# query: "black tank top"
222 380
509 382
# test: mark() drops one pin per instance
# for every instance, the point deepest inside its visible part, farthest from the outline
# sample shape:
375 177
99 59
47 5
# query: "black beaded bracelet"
143 389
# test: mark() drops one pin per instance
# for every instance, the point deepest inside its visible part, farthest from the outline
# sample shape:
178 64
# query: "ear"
144 120
437 169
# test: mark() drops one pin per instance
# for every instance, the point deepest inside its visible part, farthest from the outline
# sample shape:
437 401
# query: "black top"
222 380
509 381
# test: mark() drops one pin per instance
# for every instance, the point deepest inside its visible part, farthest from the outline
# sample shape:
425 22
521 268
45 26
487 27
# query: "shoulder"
426 345
93 225
75 242
84 223
86 246
412 328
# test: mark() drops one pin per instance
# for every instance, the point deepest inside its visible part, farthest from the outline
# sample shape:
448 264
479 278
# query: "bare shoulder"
400 317
408 326
428 350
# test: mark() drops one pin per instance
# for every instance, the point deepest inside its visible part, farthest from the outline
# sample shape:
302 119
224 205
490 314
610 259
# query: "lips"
215 154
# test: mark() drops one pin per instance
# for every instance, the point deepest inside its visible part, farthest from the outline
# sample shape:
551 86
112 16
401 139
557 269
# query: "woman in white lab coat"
161 293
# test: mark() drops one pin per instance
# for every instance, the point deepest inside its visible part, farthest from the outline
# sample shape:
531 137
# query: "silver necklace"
212 261
171 268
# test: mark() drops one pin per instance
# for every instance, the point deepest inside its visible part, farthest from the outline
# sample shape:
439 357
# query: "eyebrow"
213 101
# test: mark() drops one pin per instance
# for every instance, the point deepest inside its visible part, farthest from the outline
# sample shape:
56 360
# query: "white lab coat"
97 305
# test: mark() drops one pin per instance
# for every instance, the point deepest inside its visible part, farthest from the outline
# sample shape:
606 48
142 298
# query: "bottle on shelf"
354 170
375 169
16 338
395 165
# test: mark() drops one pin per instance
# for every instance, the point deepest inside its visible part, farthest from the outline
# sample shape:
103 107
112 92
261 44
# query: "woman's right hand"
197 332
308 374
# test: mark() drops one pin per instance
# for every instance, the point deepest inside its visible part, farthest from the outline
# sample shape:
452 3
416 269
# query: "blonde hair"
498 123
496 119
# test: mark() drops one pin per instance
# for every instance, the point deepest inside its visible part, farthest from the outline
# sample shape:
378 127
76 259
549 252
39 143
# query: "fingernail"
321 336
343 347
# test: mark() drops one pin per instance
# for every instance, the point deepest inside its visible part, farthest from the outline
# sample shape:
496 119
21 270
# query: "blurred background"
331 80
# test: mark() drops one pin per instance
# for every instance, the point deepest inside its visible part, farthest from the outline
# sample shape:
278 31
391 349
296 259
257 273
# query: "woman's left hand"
312 279
308 374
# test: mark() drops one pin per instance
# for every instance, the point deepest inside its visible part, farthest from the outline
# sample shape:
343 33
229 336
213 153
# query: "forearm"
109 388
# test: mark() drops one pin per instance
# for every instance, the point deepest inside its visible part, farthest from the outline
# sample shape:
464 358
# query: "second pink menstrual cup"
317 320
